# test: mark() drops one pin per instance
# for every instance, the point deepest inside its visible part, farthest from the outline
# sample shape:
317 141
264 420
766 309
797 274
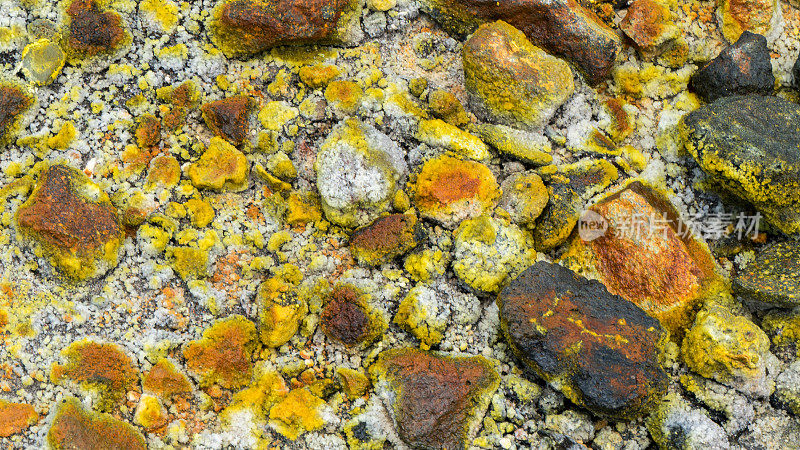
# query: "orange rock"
663 272
91 30
384 239
13 102
223 355
15 417
148 133
346 319
450 190
98 366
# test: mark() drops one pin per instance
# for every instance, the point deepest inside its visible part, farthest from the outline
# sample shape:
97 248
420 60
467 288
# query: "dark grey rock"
742 68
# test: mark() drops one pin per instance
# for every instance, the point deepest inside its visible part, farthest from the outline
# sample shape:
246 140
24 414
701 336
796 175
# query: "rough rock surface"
385 238
510 81
435 401
750 146
773 276
598 348
743 68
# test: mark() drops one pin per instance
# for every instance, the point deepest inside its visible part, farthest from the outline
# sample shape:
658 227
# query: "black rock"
743 68
796 73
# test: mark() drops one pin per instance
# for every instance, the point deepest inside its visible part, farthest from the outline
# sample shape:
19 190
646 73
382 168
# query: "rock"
354 383
344 95
73 220
428 309
729 349
787 389
15 417
524 198
100 368
750 147
528 147
227 118
42 61
438 133
763 17
246 27
164 380
297 413
75 427
358 169
148 131
676 425
488 252
783 327
569 187
772 430
223 355
221 167
736 408
281 309
599 349
346 318
92 31
743 68
435 401
511 81
774 276
385 239
796 74
562 28
150 413
445 105
645 255
649 24
14 102
449 190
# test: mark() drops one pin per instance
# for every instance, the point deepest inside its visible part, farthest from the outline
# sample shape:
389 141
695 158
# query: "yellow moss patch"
190 262
354 383
260 397
303 208
164 380
76 428
319 75
161 12
223 355
345 95
15 417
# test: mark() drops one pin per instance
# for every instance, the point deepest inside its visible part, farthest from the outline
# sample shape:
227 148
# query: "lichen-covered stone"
645 257
524 198
743 68
148 131
773 276
428 309
435 401
676 425
74 222
385 239
221 166
511 81
245 27
649 24
759 16
358 168
299 412
346 317
93 30
488 252
729 349
76 428
449 190
281 309
354 383
103 368
599 349
227 118
562 28
14 102
528 147
344 95
223 355
438 133
164 380
750 147
15 417
150 413
444 105
783 327
42 61
164 171
569 187
787 389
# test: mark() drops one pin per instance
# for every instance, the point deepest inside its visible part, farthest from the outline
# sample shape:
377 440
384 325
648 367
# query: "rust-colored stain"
228 118
59 216
223 355
12 103
15 417
644 22
165 381
91 30
343 318
436 396
75 428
